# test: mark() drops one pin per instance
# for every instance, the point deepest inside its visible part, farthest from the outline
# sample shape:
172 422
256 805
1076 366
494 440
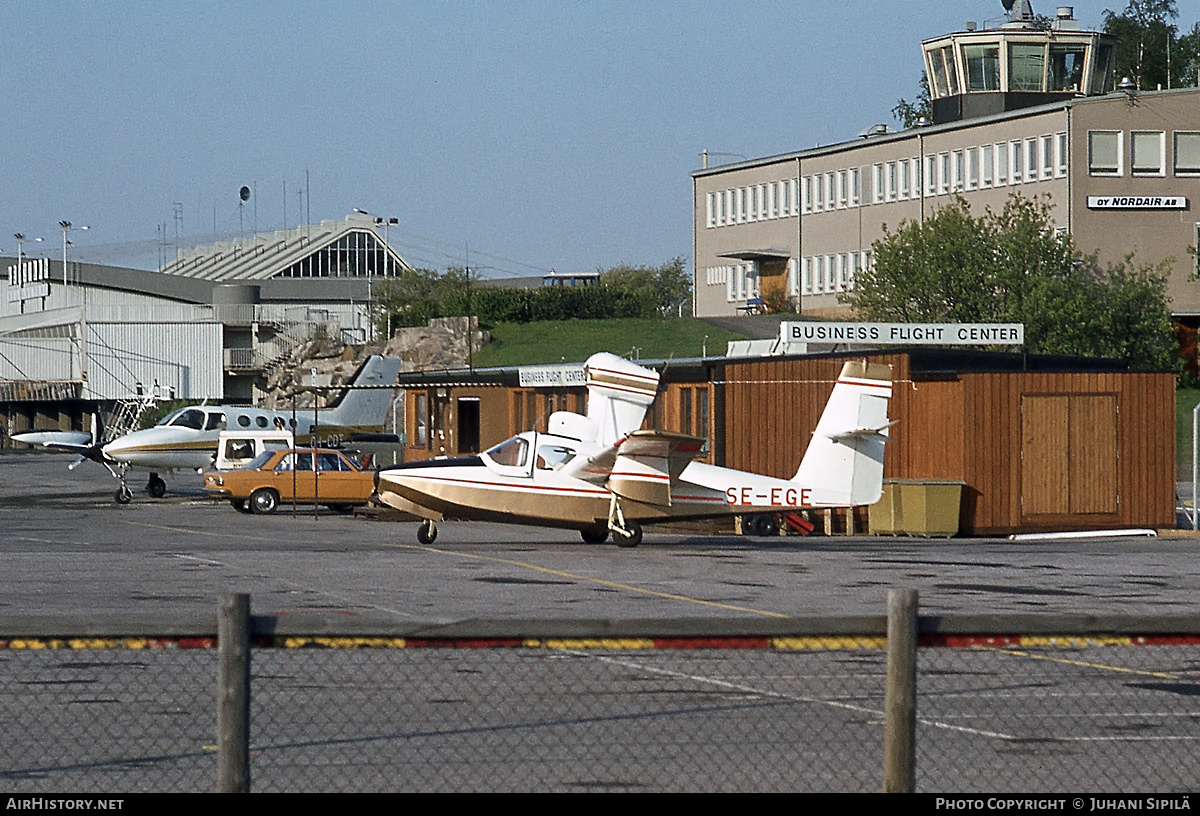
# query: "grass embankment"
573 341
1185 401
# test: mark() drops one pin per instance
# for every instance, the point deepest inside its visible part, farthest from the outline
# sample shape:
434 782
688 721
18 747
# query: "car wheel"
594 535
240 505
264 500
341 508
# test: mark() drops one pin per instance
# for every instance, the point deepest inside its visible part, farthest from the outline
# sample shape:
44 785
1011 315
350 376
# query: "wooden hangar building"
1039 442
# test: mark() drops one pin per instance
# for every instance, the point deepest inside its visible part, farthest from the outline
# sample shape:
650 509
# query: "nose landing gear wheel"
427 533
633 539
124 495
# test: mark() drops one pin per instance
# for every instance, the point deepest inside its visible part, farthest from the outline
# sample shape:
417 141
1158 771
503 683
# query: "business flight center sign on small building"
904 334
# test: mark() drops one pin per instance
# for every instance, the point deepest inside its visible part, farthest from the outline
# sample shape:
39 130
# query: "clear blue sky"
539 134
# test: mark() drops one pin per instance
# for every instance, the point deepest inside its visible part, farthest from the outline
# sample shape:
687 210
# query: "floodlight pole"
1195 459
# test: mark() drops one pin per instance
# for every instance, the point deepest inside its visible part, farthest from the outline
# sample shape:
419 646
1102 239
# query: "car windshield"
258 461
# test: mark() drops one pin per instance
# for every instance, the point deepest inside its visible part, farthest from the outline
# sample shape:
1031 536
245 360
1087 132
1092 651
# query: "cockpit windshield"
189 418
184 418
512 453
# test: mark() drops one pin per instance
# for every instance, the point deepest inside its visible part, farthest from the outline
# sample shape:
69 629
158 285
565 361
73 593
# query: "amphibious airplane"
599 474
187 439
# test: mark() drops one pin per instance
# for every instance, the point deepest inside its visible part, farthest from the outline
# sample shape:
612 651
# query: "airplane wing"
647 463
75 441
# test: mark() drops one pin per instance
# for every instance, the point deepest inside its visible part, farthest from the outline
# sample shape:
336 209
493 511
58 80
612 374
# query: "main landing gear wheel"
264 500
594 535
633 539
156 487
427 533
123 495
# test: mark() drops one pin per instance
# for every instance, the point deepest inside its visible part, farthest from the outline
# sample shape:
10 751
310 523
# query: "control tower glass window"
1066 67
983 67
1102 73
945 76
1026 66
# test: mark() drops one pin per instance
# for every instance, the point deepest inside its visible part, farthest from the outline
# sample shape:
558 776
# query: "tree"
411 298
1012 267
1148 43
909 113
664 290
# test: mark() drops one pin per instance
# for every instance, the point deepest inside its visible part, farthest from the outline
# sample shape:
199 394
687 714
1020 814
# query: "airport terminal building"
1016 110
211 325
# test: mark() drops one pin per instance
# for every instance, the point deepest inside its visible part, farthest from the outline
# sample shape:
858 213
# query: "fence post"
900 699
233 693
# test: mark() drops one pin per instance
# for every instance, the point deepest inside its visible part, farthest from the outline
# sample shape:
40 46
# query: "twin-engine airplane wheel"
156 487
123 495
427 533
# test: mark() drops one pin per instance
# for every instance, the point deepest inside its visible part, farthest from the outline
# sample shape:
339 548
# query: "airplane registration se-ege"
600 474
187 439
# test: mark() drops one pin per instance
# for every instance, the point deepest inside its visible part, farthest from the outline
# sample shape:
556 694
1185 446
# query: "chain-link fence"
702 705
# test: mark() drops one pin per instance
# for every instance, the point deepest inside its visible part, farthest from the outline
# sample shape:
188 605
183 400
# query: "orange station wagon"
305 475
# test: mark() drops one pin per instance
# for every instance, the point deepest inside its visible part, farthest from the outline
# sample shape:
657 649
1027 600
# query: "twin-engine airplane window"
189 419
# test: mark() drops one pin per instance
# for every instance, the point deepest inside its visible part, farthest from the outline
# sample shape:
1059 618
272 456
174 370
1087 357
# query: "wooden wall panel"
1093 454
1045 454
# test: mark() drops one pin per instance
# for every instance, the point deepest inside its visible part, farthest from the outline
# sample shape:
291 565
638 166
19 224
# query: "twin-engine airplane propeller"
600 474
188 438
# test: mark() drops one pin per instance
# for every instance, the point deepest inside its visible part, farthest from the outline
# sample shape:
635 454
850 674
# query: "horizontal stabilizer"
880 432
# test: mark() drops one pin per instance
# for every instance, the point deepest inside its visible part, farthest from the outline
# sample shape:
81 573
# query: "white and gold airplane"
599 474
187 439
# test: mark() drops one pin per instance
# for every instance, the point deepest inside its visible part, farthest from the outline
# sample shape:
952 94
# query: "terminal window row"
979 167
1146 154
819 274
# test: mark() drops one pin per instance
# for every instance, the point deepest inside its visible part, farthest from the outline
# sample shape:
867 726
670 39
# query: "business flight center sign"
904 334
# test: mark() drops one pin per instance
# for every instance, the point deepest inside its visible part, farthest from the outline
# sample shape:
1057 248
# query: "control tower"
1018 64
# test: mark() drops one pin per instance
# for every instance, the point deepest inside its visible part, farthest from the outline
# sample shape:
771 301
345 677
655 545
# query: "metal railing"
234 701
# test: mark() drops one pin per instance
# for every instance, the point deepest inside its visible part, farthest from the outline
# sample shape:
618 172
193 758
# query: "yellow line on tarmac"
599 581
1083 663
239 536
534 567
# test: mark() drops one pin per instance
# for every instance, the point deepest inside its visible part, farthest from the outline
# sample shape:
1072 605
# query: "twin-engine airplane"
187 439
600 474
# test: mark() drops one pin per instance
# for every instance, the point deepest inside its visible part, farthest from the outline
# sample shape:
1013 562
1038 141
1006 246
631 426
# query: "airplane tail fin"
619 394
843 465
366 407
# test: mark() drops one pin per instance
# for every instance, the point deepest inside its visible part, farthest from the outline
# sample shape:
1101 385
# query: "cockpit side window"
513 452
552 457
216 422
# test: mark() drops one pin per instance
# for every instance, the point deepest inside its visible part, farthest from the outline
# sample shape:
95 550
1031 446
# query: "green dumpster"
922 507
